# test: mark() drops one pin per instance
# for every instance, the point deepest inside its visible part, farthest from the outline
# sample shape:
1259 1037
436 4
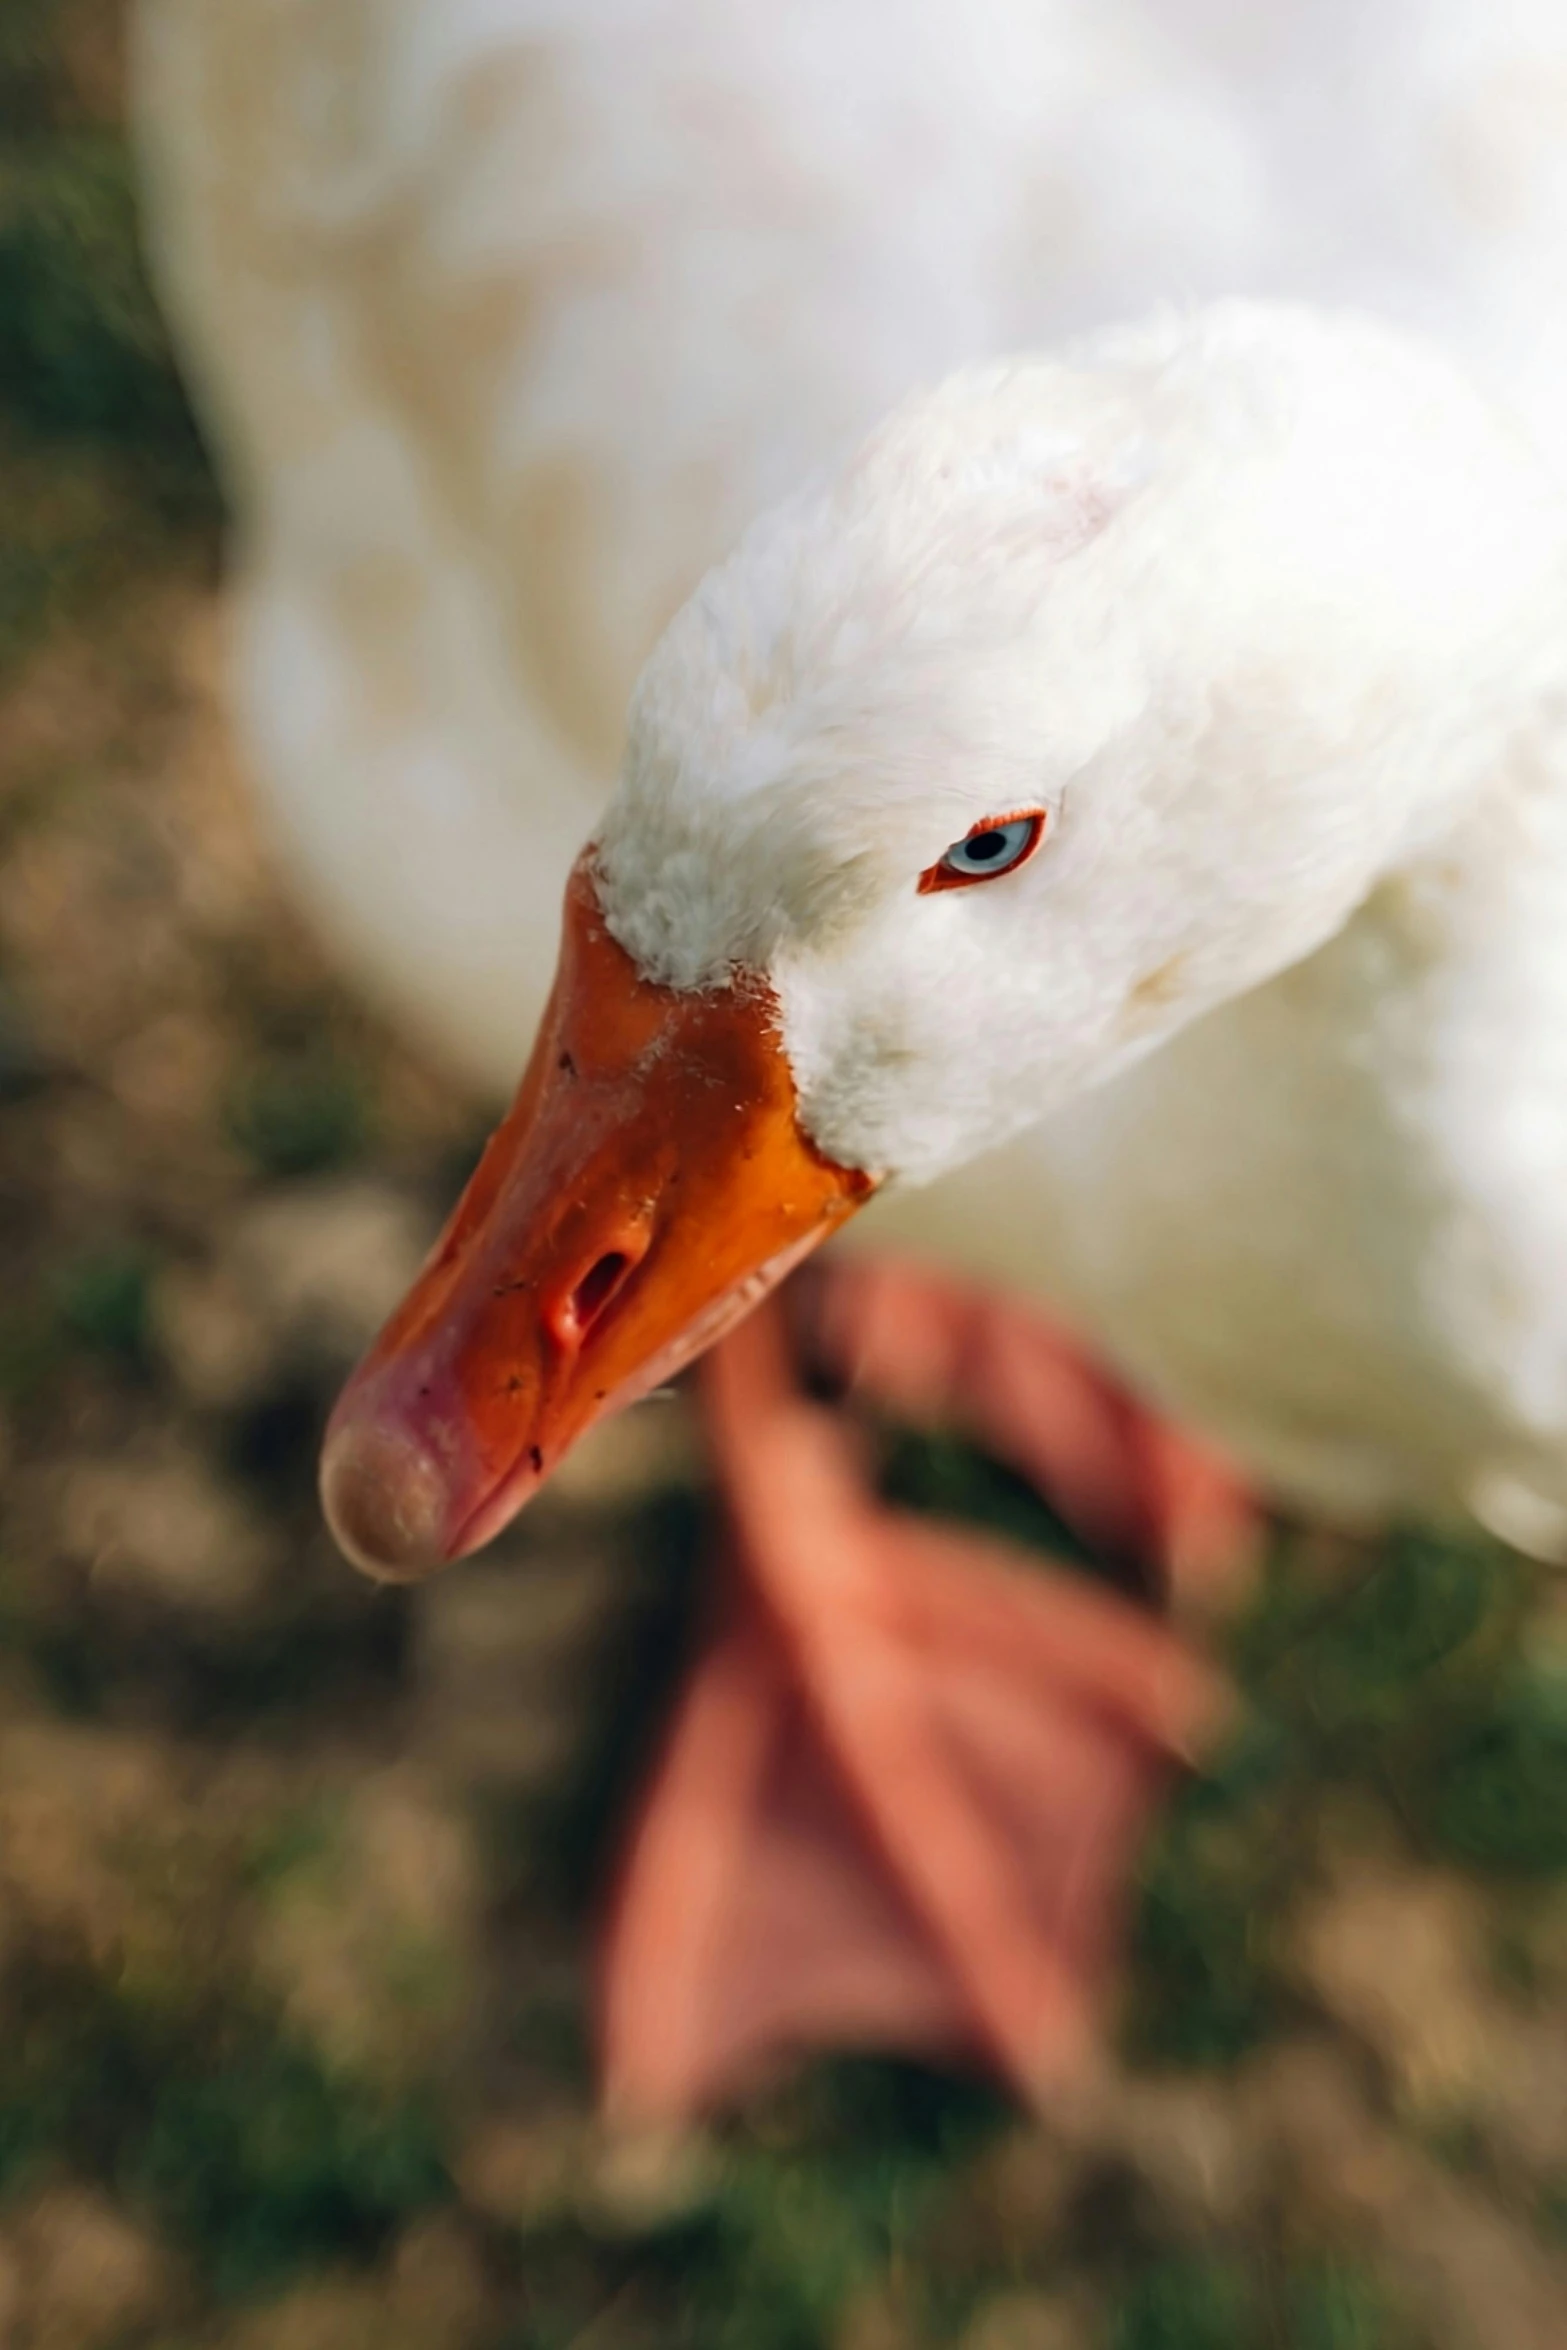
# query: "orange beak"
649 1184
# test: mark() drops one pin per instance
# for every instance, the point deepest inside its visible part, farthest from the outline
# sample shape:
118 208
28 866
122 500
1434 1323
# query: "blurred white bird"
1159 757
509 316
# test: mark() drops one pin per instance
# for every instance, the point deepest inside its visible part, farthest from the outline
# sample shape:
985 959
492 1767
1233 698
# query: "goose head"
1088 694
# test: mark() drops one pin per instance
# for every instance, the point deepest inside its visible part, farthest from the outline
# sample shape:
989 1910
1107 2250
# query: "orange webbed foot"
1138 1489
900 1800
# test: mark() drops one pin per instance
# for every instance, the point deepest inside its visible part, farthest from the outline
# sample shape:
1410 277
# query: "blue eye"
992 848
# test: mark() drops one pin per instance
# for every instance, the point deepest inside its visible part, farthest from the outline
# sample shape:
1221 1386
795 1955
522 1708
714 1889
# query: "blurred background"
295 1875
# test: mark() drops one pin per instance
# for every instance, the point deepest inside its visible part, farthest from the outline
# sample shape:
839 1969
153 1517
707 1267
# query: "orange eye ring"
993 846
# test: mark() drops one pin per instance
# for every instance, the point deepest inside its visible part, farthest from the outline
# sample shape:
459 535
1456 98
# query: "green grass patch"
301 1112
103 474
1400 1682
103 1295
1189 2304
235 2143
1341 2305
819 2195
83 351
1228 2302
1216 1880
1495 1795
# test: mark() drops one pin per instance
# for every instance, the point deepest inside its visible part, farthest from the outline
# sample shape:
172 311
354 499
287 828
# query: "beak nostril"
597 1288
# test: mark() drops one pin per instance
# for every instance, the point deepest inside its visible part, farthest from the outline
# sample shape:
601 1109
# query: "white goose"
1159 752
1224 656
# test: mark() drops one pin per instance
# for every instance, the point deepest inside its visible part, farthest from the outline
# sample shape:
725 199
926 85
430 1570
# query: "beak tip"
386 1501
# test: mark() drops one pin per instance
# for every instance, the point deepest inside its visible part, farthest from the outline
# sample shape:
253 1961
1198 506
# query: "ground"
296 1877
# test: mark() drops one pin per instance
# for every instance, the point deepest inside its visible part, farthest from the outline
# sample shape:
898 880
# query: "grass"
831 2187
102 470
83 352
1192 2302
102 1298
300 1112
235 2144
1496 1795
1406 1686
